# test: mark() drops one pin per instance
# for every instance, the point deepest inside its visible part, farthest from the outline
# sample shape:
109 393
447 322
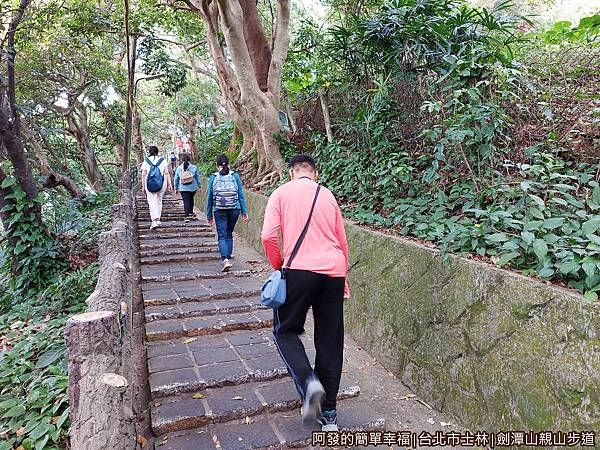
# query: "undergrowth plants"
484 164
58 271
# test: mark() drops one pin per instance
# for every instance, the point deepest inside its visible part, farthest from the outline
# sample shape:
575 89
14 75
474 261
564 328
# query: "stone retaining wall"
497 350
99 342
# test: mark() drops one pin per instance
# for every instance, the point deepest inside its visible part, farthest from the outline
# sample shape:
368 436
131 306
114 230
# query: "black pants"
188 202
325 295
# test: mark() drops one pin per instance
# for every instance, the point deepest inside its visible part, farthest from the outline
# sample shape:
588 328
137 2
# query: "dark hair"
153 150
186 162
223 160
301 159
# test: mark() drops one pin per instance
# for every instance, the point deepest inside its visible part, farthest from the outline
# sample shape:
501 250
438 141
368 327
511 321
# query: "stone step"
165 251
280 430
175 227
203 308
224 404
158 233
177 242
201 326
188 364
198 276
181 257
218 287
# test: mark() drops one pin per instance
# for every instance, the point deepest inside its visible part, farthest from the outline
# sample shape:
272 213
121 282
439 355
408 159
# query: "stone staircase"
215 376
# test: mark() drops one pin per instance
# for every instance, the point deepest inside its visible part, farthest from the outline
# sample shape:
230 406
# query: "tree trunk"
137 135
326 117
78 127
130 101
233 141
256 40
22 169
191 123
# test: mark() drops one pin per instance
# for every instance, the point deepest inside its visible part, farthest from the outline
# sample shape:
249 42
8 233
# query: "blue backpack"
155 179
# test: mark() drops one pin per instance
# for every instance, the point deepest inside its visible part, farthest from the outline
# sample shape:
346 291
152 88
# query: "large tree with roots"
249 74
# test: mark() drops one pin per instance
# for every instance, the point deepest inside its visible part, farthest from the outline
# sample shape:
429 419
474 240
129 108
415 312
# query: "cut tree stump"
99 418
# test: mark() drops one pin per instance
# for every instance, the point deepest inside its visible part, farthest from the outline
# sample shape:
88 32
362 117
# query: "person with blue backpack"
225 200
156 179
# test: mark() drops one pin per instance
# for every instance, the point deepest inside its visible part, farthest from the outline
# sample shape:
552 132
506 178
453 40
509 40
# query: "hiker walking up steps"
315 276
225 200
187 181
155 181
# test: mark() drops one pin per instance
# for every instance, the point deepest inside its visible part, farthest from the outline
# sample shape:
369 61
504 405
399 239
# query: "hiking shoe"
227 265
311 406
154 225
329 421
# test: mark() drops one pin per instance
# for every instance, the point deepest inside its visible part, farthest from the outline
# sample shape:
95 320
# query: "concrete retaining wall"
498 350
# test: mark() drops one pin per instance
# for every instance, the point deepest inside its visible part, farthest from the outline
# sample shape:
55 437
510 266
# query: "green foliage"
587 31
34 410
29 251
157 61
431 100
214 142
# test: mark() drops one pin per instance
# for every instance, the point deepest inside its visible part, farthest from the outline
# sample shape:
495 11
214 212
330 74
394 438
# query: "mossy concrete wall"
498 350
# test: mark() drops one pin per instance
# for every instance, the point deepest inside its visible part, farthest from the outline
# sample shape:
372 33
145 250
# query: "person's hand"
245 217
211 221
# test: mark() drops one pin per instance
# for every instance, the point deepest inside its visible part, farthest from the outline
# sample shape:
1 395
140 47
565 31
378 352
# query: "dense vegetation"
473 130
454 126
34 412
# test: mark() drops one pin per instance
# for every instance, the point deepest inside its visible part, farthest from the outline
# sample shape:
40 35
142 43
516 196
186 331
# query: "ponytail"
223 161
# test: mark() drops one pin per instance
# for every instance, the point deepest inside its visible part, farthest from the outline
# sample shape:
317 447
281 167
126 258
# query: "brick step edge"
259 375
201 298
163 245
181 421
176 228
157 234
178 251
205 331
182 258
152 317
199 276
258 433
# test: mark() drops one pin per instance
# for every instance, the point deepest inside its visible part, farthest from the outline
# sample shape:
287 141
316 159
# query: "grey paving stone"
265 314
264 365
178 414
280 395
257 434
161 312
169 362
227 304
165 348
215 355
248 337
232 402
198 439
171 382
232 372
256 350
248 284
195 309
208 342
220 287
203 325
164 329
